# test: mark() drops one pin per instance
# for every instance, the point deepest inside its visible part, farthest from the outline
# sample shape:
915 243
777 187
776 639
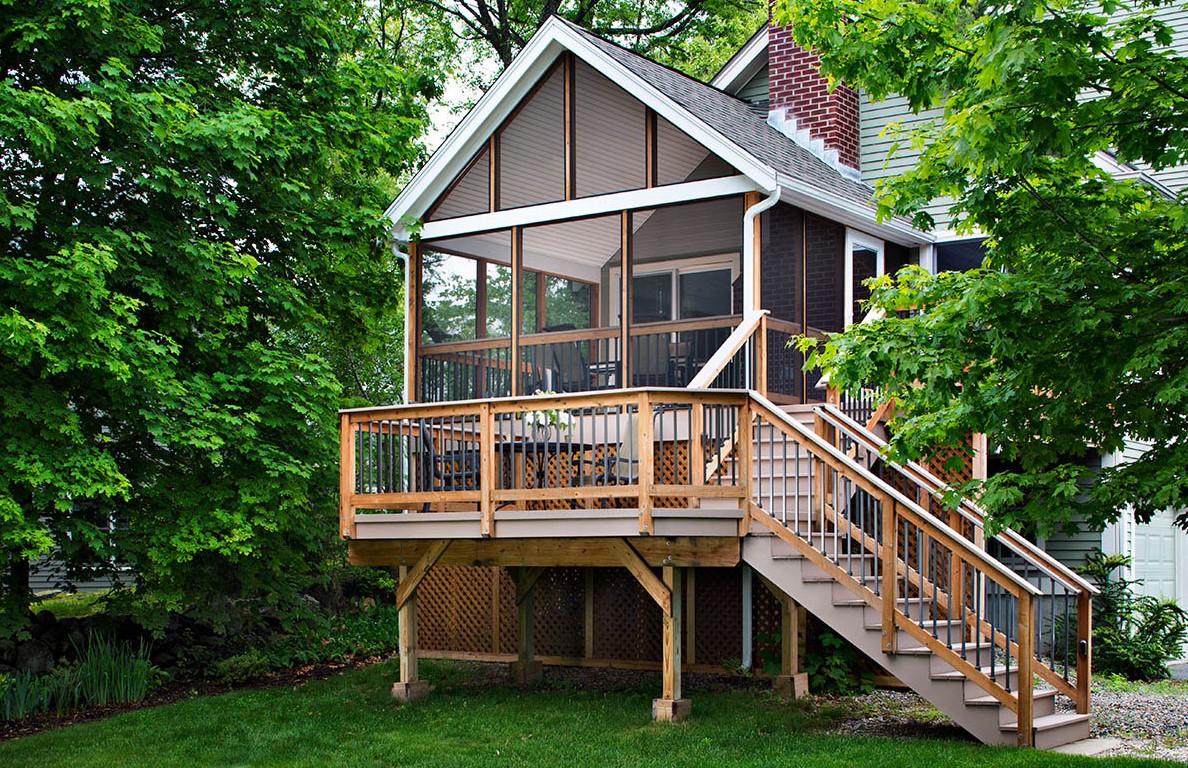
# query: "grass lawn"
68 606
352 721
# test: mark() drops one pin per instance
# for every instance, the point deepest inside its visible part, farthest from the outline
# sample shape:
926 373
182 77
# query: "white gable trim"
554 37
744 64
634 199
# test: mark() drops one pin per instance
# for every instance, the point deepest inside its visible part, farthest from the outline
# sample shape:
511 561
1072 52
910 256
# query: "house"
1158 549
608 453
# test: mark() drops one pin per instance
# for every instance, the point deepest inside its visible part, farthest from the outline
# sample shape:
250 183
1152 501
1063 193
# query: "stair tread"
1049 722
990 701
954 674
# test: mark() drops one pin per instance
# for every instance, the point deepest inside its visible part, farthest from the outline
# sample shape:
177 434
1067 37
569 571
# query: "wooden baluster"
745 445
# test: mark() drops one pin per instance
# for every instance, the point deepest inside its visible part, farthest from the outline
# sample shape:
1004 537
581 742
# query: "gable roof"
722 123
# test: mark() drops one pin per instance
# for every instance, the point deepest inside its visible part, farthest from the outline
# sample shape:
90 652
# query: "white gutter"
408 364
750 300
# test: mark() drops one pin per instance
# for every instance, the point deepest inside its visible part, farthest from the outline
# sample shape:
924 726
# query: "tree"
504 28
1074 335
190 211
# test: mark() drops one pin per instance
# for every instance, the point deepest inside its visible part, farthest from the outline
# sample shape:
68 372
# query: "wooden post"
888 586
412 361
626 248
751 199
487 470
671 707
493 172
588 627
346 478
517 311
411 687
761 357
1084 650
1024 685
792 682
745 447
646 451
570 87
697 451
526 669
690 608
650 145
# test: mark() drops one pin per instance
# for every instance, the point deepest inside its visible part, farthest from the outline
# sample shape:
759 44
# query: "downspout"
407 314
751 304
750 301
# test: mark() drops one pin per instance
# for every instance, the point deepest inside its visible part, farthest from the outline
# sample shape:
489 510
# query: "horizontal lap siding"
875 117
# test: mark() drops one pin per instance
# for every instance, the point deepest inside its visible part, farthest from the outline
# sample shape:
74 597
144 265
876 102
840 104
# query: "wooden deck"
667 479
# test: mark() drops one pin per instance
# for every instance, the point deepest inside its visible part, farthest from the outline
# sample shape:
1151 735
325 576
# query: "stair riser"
1064 734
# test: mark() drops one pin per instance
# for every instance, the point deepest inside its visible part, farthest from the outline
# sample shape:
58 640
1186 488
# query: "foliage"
1133 635
252 664
78 605
107 672
648 27
834 667
1075 334
194 278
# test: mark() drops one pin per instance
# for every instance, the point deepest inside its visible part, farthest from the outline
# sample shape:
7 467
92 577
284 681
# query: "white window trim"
854 238
675 267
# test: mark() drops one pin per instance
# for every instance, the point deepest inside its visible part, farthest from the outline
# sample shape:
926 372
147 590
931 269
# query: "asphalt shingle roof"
734 119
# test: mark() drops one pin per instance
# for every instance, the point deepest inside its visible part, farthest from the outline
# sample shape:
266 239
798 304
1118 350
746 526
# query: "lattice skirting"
591 615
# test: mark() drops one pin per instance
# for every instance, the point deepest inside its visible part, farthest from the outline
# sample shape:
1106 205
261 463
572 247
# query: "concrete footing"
410 692
791 686
671 710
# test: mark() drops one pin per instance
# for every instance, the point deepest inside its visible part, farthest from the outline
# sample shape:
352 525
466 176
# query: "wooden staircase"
959 626
947 688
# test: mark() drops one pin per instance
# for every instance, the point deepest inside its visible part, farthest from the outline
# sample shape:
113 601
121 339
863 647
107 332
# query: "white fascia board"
477 125
850 213
744 64
587 206
684 120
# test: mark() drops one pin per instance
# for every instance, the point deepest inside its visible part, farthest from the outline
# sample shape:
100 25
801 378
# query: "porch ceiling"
580 249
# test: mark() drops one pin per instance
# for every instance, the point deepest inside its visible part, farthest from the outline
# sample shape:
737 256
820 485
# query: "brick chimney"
801 100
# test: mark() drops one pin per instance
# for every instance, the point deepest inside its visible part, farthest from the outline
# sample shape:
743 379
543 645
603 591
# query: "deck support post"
792 681
671 708
411 687
526 669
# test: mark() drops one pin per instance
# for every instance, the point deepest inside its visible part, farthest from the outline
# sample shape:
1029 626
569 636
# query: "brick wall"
782 246
825 242
796 85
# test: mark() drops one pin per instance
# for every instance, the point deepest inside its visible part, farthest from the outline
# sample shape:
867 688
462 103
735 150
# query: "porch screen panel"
465 307
681 158
609 135
562 350
781 273
532 148
469 193
825 243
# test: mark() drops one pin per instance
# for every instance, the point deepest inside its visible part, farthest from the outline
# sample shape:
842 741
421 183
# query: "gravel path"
1149 724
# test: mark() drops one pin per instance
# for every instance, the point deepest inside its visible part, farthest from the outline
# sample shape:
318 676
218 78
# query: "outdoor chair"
448 470
573 373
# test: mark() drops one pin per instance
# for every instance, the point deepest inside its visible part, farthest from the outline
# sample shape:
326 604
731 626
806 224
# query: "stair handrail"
773 412
968 509
738 338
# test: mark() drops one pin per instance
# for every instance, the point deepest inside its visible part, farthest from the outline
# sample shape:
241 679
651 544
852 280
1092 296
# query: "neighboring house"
609 455
1158 549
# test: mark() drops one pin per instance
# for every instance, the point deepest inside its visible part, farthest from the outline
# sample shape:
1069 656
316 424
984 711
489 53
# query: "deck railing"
923 577
872 527
637 449
1062 630
667 354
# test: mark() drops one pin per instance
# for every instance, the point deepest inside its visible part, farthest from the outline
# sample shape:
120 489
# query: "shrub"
241 668
834 667
1133 635
107 672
